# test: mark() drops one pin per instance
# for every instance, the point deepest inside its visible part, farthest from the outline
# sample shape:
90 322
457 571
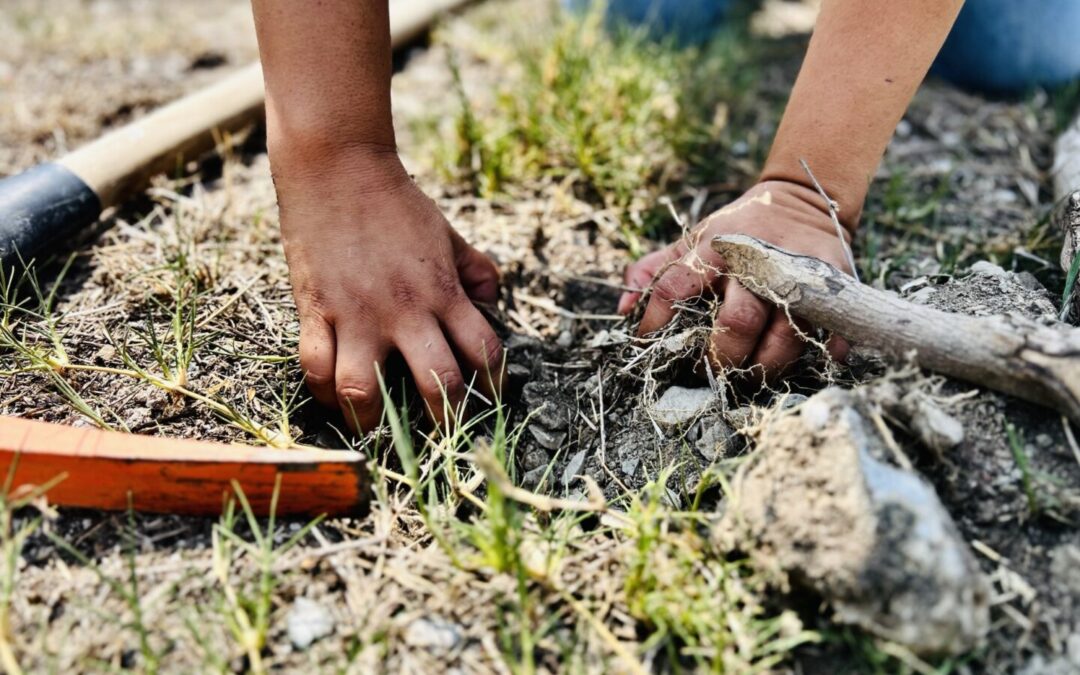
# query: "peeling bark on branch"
1007 353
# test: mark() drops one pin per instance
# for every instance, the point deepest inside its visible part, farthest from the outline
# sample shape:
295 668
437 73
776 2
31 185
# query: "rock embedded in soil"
573 468
716 440
435 633
821 502
937 429
549 440
679 406
990 290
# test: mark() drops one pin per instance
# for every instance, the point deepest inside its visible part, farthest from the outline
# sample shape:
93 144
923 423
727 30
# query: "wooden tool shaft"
48 202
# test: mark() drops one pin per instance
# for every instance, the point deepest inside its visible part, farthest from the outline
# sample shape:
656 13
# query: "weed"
1016 444
12 539
247 611
880 657
698 607
617 116
128 590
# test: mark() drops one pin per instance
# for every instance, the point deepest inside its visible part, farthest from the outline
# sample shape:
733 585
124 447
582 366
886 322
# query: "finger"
478 273
478 345
780 345
356 388
838 348
317 358
739 323
434 369
681 281
639 274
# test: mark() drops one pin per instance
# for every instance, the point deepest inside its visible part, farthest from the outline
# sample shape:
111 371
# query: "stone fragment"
573 468
937 429
679 406
532 477
308 621
434 633
535 458
987 268
716 440
551 440
543 401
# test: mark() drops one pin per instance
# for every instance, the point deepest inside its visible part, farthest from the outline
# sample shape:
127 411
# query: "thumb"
640 274
479 275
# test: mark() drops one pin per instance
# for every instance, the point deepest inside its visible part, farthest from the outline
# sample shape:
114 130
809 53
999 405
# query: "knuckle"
311 303
668 289
316 378
743 319
403 290
448 284
359 395
491 352
782 332
442 381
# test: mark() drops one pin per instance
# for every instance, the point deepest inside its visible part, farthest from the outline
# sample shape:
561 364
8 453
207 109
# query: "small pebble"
573 468
435 633
547 439
307 622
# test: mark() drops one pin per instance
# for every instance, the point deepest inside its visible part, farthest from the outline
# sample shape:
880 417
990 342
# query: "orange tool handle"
168 475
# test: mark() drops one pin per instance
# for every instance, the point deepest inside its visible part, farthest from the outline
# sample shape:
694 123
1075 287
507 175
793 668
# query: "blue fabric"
996 45
1013 45
687 21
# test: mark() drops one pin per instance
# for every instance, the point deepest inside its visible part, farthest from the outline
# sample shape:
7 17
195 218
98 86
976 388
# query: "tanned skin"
376 268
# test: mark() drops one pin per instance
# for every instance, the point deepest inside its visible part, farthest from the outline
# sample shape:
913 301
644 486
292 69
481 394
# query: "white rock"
307 622
433 633
681 405
988 268
937 429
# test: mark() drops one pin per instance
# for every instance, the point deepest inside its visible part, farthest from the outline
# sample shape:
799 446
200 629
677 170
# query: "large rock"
821 502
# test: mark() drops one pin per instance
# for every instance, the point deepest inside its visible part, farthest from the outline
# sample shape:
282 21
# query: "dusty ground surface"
965 180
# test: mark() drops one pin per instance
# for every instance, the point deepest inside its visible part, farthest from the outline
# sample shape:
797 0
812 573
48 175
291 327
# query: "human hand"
747 331
375 267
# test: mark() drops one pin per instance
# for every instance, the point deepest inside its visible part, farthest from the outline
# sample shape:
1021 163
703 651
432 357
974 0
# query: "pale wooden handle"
123 161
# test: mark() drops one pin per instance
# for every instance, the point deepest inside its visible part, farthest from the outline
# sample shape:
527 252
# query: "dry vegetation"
563 152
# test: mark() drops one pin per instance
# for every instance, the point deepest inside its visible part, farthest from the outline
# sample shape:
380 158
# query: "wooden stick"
168 475
1008 353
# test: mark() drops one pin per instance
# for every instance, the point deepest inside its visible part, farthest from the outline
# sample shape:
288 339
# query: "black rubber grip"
40 207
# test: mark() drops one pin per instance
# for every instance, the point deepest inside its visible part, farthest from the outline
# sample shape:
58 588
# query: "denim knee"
1013 45
688 21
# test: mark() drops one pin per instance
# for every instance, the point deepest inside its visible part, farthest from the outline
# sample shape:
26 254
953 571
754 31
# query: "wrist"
366 167
847 194
804 198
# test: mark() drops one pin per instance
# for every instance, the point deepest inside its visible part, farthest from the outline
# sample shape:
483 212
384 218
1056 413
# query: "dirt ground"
648 585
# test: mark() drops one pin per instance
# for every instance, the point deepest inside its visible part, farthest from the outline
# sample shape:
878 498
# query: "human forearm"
865 61
327 67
